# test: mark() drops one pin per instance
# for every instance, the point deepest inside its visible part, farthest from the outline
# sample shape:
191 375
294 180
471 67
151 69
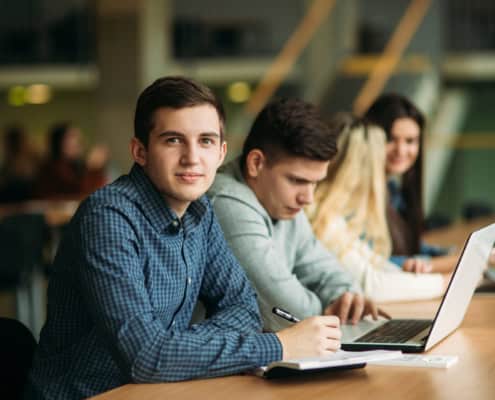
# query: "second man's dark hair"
290 127
172 92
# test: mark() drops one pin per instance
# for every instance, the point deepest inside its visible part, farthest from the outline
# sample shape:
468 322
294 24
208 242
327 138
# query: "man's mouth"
189 177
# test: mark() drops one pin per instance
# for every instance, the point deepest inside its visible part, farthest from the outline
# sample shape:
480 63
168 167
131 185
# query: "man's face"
183 153
287 185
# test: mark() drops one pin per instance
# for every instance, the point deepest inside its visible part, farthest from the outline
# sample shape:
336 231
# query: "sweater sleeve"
380 280
302 290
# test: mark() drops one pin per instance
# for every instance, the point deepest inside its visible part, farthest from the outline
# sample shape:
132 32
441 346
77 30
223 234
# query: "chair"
17 347
22 238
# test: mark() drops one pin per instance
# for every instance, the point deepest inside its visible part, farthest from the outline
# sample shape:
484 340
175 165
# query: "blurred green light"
16 95
239 92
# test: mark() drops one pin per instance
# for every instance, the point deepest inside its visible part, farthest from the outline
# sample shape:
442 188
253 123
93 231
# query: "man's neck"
178 209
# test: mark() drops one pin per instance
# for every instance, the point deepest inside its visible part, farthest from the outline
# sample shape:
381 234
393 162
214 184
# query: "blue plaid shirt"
126 278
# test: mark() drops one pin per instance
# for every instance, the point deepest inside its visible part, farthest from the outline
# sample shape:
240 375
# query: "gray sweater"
287 265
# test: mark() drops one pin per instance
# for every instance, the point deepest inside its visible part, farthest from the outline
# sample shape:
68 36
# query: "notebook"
339 360
415 335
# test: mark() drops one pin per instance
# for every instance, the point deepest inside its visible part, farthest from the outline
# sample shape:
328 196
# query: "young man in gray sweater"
258 199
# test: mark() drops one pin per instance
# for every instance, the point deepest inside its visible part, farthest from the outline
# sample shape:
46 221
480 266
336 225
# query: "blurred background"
86 61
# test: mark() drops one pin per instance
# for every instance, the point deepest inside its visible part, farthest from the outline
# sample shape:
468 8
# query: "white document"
420 360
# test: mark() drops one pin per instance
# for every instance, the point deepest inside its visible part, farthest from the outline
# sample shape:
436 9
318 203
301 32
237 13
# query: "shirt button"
173 322
175 223
189 280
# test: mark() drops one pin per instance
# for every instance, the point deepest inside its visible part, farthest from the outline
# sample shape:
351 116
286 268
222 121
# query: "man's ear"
223 152
255 161
138 151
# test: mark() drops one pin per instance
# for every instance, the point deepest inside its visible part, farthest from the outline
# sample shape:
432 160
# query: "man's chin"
286 215
192 194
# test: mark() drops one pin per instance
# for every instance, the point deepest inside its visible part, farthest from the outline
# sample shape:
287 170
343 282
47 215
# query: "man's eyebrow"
170 133
210 134
180 134
300 179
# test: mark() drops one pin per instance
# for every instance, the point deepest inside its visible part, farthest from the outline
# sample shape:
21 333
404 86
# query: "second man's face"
183 153
287 185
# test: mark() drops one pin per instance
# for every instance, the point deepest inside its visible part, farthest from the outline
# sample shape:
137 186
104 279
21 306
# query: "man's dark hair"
290 127
172 92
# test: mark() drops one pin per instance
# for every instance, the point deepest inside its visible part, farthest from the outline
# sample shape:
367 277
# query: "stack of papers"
339 360
419 360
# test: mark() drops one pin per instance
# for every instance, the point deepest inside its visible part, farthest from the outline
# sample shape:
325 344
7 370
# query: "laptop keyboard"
395 331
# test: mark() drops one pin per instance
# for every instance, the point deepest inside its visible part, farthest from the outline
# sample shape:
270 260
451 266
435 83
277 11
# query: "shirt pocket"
165 291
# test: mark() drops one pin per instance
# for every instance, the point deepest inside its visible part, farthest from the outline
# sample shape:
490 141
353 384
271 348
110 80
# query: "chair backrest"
17 345
22 238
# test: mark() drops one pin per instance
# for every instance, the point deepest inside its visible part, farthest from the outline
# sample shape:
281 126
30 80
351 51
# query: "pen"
284 314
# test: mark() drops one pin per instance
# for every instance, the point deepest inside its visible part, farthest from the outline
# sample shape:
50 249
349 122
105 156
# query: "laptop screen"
468 272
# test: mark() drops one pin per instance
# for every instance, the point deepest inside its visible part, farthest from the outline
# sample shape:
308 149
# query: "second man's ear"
138 151
223 152
255 161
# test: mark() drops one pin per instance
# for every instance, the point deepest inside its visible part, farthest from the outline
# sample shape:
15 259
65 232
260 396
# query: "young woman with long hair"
348 216
404 126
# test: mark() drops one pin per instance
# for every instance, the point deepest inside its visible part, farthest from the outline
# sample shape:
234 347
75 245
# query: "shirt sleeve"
380 280
113 286
226 292
303 289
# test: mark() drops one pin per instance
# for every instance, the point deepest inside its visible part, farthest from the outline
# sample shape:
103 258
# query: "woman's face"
403 146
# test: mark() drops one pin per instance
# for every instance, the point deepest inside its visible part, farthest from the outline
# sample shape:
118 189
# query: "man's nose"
306 196
190 154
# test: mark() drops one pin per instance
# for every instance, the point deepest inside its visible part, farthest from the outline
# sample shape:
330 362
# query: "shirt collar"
160 214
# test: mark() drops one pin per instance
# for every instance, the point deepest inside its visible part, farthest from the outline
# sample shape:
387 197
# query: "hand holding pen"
313 337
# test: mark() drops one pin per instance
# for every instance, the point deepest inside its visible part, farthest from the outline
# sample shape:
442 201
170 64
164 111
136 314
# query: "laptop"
418 335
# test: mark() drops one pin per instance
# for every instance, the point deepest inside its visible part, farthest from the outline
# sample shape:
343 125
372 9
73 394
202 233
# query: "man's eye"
207 141
173 140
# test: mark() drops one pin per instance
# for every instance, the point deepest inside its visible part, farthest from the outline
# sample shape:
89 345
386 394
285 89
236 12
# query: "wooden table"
473 377
56 212
456 234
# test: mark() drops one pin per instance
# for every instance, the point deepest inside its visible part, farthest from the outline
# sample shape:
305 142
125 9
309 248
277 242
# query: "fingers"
325 330
345 302
331 339
354 306
417 265
423 266
314 336
372 309
330 321
408 265
358 308
384 314
331 345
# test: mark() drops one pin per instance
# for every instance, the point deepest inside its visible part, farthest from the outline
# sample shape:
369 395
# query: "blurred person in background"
67 173
349 216
404 125
19 167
